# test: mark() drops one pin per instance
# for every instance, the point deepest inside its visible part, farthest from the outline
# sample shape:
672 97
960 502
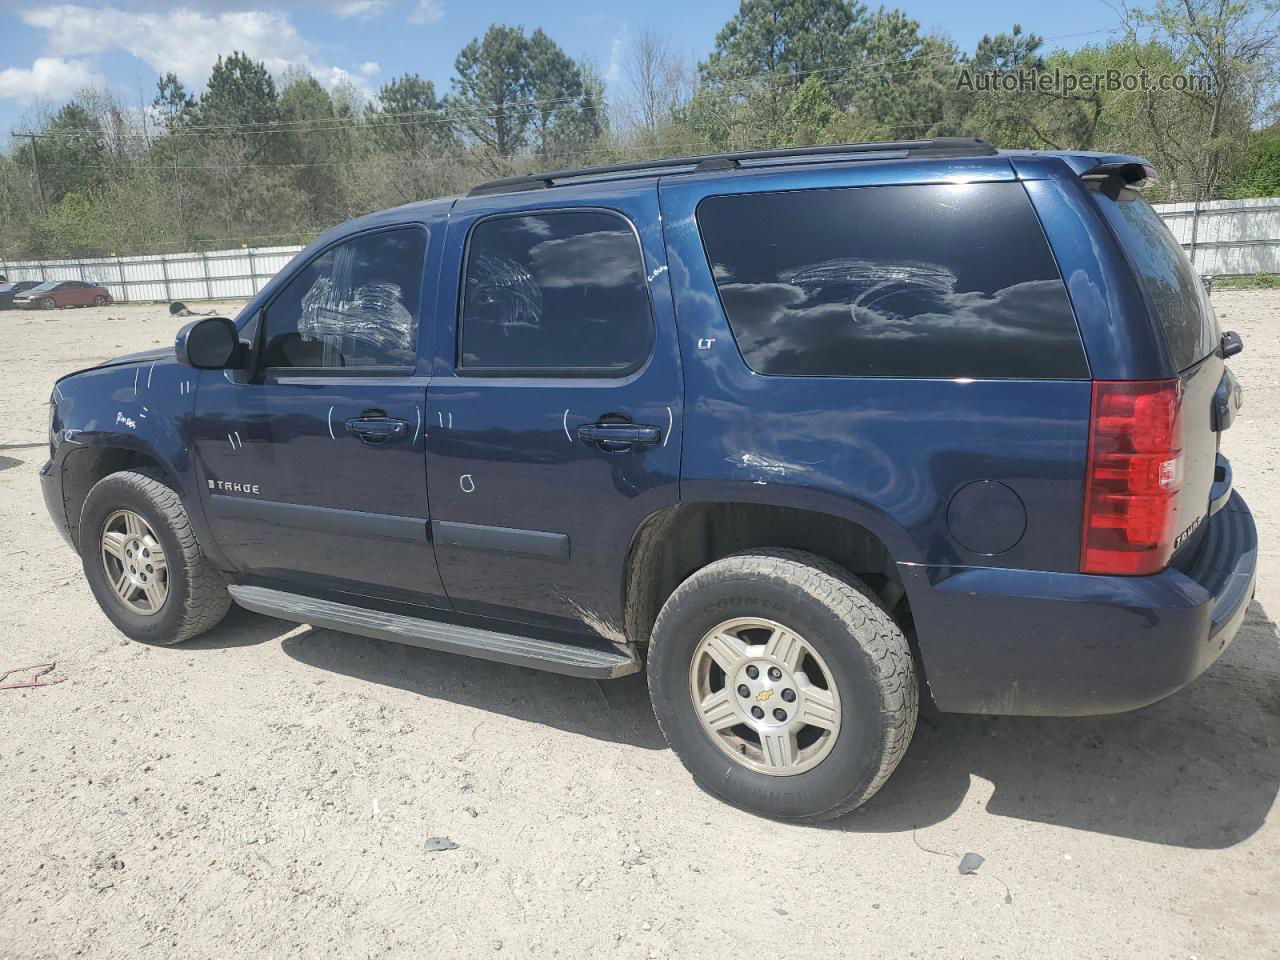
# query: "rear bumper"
1028 642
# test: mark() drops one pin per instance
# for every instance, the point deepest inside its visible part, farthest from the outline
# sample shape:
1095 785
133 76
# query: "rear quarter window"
953 280
1174 290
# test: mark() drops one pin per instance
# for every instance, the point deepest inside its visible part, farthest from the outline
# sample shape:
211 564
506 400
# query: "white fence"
215 275
1228 238
1224 238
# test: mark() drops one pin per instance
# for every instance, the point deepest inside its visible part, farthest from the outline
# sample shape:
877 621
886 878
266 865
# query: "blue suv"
808 434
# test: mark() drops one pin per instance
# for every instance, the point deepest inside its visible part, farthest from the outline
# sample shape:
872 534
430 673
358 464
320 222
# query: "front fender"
112 418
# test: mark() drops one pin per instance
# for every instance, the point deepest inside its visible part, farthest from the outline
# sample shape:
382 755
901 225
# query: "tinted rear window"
1171 283
892 281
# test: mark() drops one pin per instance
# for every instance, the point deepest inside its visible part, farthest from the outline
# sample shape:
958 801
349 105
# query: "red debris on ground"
33 677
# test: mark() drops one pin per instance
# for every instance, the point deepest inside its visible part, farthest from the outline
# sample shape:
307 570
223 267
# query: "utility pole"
35 165
177 189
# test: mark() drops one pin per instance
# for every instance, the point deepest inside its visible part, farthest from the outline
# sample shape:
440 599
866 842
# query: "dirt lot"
267 789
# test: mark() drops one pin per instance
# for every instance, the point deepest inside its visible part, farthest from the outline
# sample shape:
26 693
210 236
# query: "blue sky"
49 51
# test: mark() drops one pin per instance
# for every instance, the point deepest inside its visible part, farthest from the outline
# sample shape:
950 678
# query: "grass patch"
1258 281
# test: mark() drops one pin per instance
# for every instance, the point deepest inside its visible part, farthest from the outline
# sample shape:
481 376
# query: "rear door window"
1171 284
892 281
555 292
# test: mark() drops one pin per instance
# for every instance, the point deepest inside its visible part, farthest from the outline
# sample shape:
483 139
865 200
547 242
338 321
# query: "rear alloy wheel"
47 303
765 696
783 684
99 301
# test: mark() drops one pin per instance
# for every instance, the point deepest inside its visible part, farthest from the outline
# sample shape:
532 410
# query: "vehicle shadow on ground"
240 628
1198 770
613 710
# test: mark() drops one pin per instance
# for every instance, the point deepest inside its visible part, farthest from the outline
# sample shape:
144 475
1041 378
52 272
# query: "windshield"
45 286
1176 294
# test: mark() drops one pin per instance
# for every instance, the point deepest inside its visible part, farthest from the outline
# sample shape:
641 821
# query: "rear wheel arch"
673 544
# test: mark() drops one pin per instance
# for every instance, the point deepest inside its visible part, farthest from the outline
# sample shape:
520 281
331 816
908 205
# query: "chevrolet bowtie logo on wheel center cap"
764 695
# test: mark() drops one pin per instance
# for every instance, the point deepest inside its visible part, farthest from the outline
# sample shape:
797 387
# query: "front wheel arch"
84 466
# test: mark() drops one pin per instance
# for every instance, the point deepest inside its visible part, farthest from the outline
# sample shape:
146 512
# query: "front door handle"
619 437
378 430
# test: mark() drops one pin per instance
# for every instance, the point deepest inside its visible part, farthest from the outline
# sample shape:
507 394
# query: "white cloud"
50 78
613 73
345 9
427 11
183 40
330 77
369 68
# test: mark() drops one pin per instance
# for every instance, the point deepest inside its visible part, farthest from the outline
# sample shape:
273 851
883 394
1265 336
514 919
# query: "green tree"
567 112
491 89
315 145
408 116
1259 175
901 80
811 112
1236 45
72 154
885 77
761 57
172 102
240 91
513 91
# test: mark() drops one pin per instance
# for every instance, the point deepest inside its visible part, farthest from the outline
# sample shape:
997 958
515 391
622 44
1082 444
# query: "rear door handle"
619 437
378 430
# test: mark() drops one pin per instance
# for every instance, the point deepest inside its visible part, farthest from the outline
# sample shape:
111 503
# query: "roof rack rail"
936 147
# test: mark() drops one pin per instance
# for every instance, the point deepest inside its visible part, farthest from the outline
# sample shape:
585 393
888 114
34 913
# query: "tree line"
257 159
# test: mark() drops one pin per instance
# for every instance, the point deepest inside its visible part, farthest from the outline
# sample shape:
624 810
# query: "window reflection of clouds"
565 289
910 281
780 324
602 258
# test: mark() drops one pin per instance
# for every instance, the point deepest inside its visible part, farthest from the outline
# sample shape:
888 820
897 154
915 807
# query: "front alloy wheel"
135 563
143 562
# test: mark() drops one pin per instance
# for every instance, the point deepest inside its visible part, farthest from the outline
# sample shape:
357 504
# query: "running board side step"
509 648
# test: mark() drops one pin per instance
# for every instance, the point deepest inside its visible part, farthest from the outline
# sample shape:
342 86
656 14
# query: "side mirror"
1231 344
210 343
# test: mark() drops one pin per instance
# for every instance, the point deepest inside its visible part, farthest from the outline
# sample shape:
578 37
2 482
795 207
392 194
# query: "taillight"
1133 476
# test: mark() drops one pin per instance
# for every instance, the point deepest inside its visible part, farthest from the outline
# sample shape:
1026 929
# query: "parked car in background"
64 293
10 290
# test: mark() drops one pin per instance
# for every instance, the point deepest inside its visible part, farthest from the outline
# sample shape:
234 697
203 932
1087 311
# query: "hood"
145 356
157 355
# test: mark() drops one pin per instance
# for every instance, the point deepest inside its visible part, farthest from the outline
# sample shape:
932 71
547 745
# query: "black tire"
47 303
100 301
866 653
197 597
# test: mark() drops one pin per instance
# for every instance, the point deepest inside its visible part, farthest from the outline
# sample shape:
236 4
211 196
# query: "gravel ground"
268 790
